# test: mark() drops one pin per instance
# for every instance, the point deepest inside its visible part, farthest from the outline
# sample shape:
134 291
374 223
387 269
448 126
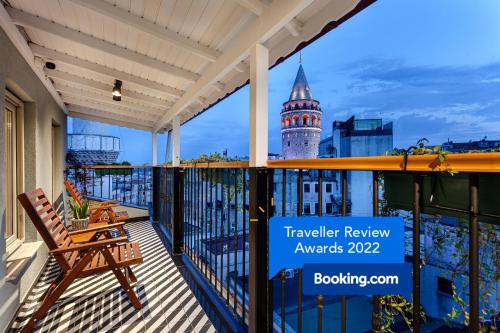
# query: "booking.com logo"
360 280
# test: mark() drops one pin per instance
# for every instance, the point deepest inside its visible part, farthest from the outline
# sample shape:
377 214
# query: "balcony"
204 212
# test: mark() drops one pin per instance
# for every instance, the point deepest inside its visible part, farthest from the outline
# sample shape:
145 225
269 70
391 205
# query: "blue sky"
430 66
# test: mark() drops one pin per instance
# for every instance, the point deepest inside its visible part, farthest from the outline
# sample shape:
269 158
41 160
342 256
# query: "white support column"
168 146
259 71
154 153
176 141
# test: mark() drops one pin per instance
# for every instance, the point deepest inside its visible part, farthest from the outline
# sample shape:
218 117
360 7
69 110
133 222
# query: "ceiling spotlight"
117 91
50 65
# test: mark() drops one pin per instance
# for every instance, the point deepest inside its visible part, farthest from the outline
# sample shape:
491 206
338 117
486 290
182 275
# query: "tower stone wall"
300 122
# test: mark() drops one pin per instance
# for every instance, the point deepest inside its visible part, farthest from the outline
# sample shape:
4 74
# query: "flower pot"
444 194
79 224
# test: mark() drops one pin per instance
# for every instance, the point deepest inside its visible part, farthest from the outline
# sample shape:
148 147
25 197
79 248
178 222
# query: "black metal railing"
216 215
129 185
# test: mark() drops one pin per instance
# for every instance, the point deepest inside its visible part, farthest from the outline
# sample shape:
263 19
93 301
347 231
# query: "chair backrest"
73 191
49 225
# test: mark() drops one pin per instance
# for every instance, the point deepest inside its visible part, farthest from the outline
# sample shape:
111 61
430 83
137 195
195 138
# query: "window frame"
16 107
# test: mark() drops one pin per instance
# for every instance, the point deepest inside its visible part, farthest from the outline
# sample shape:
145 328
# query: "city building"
90 144
300 121
358 137
462 147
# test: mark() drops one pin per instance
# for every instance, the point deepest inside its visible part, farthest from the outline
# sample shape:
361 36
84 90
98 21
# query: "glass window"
316 208
445 286
328 188
307 188
316 187
13 227
329 208
307 208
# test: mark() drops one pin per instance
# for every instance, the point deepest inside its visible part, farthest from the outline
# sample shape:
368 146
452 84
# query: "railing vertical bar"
144 200
227 233
474 253
93 181
85 181
299 193
299 302
193 214
100 181
319 301
123 185
221 236
197 216
376 299
110 187
211 223
283 285
189 217
138 188
243 261
235 241
343 305
417 194
206 220
320 193
283 194
216 212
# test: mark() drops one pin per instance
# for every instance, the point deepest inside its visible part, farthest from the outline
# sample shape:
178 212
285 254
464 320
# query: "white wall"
40 113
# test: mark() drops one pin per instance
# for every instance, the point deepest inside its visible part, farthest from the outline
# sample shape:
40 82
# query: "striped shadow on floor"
98 304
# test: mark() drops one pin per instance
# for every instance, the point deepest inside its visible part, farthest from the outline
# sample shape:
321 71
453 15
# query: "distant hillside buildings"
463 147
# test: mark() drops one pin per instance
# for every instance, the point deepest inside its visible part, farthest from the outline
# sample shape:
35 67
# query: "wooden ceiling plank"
149 27
25 19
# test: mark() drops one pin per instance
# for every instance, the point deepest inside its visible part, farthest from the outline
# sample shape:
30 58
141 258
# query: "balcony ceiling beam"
118 112
257 7
96 115
127 95
123 16
104 98
27 20
155 87
274 18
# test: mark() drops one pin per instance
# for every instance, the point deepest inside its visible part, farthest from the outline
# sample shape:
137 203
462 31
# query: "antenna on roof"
300 57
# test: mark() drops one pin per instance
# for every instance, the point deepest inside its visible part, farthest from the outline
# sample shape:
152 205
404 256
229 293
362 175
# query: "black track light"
117 91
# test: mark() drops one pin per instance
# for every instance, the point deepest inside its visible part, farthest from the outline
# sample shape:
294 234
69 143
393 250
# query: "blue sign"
357 279
295 241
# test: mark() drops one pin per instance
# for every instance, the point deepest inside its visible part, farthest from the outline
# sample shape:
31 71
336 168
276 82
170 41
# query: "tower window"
306 143
307 188
288 143
328 188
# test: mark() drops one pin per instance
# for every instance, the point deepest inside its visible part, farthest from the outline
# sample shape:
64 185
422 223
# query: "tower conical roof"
300 88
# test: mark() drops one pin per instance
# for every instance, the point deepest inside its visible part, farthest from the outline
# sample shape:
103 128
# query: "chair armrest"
90 245
101 228
104 207
100 203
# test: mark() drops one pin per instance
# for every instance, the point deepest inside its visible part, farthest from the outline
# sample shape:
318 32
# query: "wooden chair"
77 260
99 211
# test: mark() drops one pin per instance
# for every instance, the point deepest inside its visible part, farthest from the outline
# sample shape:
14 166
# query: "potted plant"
81 214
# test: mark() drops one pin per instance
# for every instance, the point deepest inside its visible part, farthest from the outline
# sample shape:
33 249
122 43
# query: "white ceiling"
175 57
